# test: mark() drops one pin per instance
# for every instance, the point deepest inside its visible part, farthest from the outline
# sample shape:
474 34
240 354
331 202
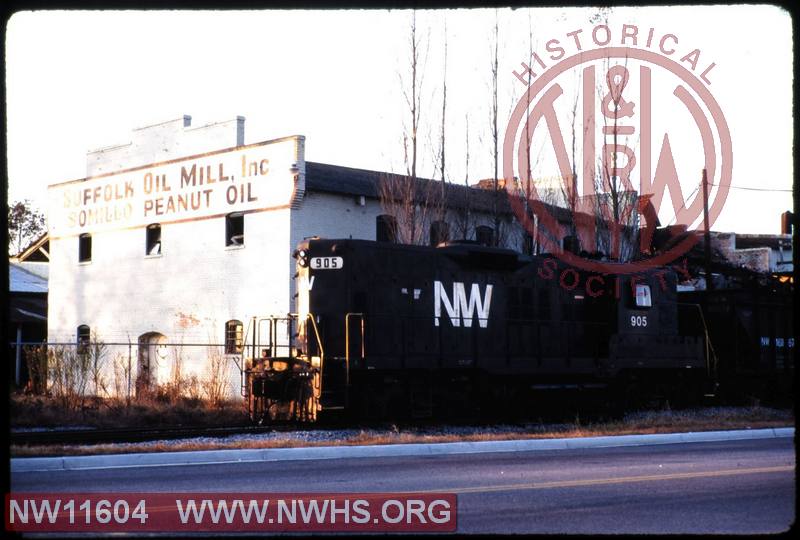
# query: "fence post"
130 374
18 357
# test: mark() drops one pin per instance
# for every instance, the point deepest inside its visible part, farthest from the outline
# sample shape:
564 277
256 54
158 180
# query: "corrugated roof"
28 277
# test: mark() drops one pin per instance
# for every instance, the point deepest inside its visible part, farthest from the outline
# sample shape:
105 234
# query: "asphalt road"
720 487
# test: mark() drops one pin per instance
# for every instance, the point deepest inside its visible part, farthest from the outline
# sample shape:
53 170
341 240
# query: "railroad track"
130 435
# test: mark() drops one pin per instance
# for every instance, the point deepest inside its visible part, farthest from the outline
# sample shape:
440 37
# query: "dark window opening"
234 229
483 235
440 232
527 245
386 228
153 240
85 248
234 337
571 244
84 337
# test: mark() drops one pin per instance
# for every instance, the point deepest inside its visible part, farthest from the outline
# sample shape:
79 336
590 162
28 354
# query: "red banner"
229 512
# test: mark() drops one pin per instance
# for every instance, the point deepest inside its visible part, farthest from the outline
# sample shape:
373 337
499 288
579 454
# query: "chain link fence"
151 368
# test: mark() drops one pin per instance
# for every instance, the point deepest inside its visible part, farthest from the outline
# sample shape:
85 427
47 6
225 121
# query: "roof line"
32 247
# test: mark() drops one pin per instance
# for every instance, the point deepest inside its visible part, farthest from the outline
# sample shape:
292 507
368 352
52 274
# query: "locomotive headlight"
278 365
302 258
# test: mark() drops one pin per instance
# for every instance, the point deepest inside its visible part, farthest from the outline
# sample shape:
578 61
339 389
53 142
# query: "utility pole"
707 234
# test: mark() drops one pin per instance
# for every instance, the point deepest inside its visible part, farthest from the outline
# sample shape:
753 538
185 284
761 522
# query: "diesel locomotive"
386 329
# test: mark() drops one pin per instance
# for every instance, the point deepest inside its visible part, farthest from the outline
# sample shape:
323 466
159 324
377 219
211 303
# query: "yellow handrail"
316 335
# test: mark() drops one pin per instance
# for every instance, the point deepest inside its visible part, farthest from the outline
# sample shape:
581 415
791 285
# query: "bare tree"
413 203
615 199
441 147
464 211
413 97
604 212
444 112
494 120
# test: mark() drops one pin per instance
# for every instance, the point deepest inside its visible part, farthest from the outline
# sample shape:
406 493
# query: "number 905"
639 320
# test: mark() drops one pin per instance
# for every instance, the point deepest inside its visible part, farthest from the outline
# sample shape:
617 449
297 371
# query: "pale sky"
81 80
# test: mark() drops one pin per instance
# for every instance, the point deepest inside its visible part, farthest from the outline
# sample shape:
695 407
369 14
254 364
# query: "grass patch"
646 422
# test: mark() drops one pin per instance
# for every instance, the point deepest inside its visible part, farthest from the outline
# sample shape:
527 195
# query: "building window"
440 232
153 239
571 244
386 228
234 337
85 247
84 337
643 296
483 235
527 244
234 229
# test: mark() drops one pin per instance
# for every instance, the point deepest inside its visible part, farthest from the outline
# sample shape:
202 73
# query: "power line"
683 205
753 188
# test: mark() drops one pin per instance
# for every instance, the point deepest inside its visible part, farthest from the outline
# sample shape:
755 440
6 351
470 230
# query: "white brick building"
173 235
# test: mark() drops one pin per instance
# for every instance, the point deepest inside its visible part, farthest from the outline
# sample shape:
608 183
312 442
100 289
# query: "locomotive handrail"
316 335
272 342
347 343
711 366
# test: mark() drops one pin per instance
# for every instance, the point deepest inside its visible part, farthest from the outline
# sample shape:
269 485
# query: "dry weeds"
159 410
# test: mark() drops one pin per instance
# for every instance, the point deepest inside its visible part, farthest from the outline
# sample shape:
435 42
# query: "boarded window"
152 352
85 247
234 229
440 232
386 228
483 235
153 239
234 332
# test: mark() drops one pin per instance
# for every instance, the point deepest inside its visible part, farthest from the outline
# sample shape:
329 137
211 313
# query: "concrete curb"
209 457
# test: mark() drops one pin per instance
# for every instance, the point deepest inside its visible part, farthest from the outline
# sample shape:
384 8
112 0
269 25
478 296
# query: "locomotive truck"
386 329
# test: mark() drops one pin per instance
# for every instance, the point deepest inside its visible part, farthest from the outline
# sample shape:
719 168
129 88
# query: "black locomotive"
389 329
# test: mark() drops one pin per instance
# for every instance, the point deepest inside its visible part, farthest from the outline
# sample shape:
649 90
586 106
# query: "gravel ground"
711 418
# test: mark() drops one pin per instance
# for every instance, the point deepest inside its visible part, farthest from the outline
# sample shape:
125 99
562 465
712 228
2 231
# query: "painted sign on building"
249 178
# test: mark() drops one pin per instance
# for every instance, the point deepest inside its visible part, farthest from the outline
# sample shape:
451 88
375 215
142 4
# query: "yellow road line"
617 480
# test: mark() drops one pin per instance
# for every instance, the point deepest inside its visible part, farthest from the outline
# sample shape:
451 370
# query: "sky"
80 80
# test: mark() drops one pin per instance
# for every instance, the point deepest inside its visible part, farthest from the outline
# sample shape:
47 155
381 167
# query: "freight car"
390 329
751 330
